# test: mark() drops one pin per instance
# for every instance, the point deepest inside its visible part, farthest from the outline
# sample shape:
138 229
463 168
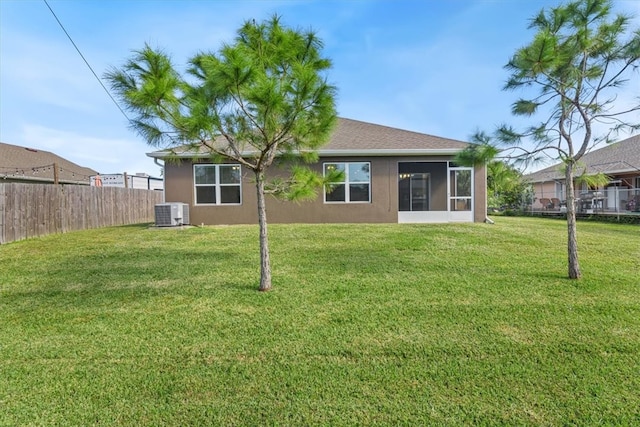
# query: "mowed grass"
366 325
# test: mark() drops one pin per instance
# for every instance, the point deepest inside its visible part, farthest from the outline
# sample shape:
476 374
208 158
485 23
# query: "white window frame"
452 186
218 185
347 183
560 190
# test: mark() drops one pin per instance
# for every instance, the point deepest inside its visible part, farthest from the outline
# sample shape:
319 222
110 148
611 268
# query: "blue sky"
427 66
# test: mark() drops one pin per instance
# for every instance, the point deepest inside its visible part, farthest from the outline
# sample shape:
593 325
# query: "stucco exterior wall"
383 208
543 190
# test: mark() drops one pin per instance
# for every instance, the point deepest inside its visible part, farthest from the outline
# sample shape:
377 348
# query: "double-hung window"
355 187
217 184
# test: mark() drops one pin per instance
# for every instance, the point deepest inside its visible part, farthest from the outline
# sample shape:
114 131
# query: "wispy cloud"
433 67
40 68
107 155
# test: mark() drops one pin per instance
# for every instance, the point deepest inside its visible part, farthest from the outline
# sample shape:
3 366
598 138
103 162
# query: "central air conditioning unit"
171 214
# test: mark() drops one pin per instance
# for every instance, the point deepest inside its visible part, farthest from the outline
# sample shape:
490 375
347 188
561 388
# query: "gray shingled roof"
616 158
353 137
29 164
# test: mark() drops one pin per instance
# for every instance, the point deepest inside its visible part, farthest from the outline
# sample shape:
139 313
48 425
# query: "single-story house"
620 161
30 165
390 176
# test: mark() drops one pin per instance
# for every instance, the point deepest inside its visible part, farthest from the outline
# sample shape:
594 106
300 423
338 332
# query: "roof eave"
391 152
618 171
331 153
550 178
545 179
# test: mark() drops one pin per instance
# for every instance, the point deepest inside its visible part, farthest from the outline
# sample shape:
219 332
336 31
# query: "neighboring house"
391 175
125 180
30 165
620 161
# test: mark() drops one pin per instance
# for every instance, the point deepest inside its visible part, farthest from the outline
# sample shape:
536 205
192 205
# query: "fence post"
55 173
2 212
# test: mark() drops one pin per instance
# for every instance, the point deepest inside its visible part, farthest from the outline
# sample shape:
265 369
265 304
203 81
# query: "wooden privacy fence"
31 210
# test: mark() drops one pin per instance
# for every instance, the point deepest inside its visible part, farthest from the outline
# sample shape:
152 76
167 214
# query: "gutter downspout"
164 180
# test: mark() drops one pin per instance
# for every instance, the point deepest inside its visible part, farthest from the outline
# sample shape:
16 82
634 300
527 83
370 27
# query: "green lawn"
366 325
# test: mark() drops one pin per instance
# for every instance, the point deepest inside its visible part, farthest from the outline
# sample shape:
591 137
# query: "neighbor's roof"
615 158
356 138
30 164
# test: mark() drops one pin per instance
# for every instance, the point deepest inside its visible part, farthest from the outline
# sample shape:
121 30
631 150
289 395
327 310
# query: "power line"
93 72
87 62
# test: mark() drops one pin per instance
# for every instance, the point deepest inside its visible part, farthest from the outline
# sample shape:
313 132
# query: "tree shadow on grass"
132 274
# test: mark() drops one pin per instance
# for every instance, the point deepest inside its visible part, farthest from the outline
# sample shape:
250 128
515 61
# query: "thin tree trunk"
265 262
572 240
